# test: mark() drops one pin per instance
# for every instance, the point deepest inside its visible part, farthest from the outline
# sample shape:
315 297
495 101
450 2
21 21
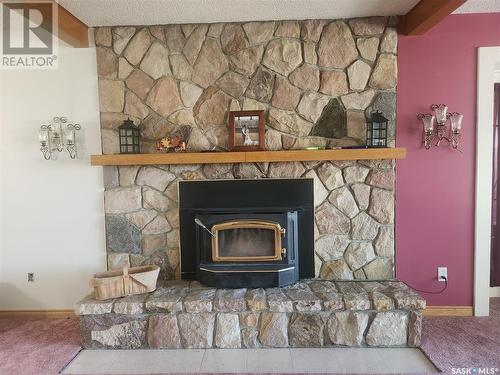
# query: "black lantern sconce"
129 137
376 130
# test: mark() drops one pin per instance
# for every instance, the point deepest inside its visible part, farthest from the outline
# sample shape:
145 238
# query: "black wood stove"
246 233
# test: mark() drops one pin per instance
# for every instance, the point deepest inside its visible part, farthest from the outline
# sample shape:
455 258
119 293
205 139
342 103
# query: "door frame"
488 62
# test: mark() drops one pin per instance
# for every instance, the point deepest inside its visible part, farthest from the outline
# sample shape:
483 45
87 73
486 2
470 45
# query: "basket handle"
126 280
137 281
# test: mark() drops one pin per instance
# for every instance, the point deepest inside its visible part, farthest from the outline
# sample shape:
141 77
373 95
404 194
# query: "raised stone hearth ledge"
311 313
248 157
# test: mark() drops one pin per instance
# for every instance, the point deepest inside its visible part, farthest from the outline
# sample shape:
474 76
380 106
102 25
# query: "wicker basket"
124 282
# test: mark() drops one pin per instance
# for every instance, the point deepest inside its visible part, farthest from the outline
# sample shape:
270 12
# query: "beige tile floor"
322 360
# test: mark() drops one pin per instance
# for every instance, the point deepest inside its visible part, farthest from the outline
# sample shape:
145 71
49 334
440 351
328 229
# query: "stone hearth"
311 313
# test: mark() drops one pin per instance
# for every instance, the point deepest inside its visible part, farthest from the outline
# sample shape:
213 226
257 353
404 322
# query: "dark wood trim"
426 14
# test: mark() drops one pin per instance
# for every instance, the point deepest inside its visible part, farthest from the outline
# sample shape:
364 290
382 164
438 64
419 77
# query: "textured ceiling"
480 6
157 12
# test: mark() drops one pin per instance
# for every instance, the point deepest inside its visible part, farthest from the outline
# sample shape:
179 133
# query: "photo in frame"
246 130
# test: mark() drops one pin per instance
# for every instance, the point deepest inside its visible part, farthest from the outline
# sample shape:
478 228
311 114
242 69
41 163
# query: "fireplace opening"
245 233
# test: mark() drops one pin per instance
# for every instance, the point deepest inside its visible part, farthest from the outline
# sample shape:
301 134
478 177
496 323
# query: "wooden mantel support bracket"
426 14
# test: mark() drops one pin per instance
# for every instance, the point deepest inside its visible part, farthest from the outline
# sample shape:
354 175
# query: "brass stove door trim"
243 224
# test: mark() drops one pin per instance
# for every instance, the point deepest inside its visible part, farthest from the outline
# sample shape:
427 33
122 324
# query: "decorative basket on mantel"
124 282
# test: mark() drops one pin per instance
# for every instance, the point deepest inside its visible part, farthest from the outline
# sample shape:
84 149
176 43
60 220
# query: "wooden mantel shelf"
248 157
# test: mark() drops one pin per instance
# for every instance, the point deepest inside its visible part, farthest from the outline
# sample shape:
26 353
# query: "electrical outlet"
31 277
442 274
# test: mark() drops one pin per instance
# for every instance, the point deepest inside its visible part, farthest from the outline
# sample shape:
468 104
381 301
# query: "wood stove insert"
245 233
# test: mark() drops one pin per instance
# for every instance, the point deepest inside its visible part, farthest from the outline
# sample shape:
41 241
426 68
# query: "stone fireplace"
317 81
246 233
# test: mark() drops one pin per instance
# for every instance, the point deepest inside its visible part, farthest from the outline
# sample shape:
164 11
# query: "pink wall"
435 188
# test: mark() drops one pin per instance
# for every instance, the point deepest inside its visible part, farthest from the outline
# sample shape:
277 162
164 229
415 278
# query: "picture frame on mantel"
246 130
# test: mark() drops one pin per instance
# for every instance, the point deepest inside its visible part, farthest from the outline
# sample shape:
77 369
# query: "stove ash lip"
203 268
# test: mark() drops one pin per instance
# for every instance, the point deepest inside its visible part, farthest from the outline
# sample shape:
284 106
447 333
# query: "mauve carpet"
44 347
37 347
464 342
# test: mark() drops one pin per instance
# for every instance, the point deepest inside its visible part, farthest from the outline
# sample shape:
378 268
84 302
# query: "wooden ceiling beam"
426 14
70 29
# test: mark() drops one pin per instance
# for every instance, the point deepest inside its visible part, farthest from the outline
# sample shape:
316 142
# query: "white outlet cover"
442 272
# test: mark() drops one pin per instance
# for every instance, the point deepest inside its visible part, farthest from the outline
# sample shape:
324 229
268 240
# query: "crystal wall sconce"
57 136
435 134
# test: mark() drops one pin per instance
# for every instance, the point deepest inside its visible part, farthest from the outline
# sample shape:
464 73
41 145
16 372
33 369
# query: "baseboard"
448 311
495 291
37 314
61 314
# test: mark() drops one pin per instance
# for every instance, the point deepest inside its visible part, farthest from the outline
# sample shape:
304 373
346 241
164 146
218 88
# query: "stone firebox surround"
317 81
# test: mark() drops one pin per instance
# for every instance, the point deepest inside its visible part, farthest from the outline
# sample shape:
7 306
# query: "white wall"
51 220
